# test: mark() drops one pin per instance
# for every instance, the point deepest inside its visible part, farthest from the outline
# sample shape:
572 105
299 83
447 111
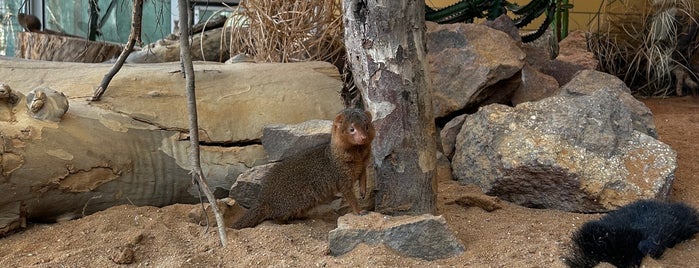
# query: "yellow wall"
580 16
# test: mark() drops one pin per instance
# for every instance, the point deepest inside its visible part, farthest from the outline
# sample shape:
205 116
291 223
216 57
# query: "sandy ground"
510 237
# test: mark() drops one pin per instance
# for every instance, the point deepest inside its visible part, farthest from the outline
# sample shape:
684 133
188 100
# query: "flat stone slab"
425 236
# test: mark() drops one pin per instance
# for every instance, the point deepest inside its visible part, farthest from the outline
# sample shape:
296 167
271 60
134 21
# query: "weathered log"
209 45
51 47
132 147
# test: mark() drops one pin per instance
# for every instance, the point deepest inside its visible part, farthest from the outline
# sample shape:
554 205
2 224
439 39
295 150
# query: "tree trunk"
385 45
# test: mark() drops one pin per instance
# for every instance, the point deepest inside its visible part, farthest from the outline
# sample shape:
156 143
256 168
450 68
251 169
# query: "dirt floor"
510 237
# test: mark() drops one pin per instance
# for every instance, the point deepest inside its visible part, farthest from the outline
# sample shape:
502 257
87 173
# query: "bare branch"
197 174
136 19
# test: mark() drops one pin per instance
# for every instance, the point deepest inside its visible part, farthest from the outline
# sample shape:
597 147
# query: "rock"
505 24
425 236
465 60
589 81
503 91
281 141
572 58
448 135
535 86
573 49
546 43
125 254
248 185
572 152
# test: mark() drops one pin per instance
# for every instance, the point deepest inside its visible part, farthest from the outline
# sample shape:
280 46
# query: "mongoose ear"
368 114
339 119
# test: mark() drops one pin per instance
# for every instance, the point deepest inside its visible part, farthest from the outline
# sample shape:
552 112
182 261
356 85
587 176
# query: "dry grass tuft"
642 48
290 31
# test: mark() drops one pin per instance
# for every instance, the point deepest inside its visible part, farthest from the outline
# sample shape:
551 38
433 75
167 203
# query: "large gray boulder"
466 61
583 150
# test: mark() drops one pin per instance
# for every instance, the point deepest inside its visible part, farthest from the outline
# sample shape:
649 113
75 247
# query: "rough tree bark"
385 45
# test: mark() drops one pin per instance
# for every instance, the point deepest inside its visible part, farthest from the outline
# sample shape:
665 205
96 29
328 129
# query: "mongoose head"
353 127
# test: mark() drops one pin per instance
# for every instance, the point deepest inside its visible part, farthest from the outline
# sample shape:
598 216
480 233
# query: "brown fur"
302 182
29 22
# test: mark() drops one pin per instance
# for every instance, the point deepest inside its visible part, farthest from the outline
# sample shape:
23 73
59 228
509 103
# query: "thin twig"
135 35
194 157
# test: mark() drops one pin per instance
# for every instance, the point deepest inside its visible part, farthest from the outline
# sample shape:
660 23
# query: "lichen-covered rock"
573 152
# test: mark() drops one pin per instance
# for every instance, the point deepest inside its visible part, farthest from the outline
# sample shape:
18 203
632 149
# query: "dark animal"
29 22
299 183
625 236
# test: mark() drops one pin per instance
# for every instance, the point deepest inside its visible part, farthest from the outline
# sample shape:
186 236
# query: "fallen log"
54 47
132 146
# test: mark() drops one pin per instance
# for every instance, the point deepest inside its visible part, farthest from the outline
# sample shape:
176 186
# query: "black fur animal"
624 236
